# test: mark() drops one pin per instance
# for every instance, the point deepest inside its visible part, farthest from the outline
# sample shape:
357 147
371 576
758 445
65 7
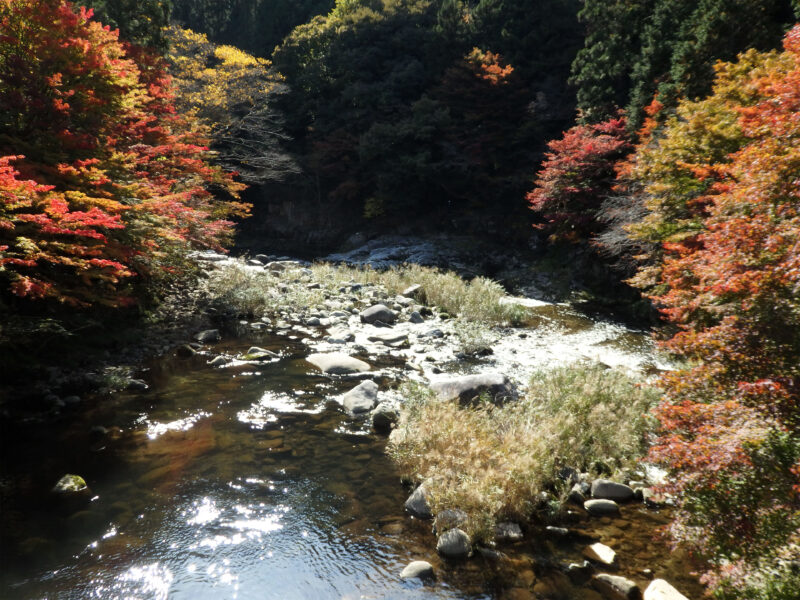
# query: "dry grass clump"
495 462
475 300
258 292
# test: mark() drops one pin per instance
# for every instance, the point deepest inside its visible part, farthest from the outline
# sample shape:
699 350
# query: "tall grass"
495 462
256 292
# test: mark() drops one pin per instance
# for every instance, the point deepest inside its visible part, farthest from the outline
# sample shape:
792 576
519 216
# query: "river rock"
336 363
207 336
391 338
470 387
419 569
379 312
219 361
137 385
70 484
661 590
580 573
361 398
340 336
259 354
610 490
412 291
417 503
185 351
614 587
601 507
385 416
576 494
507 532
415 317
600 553
449 519
454 543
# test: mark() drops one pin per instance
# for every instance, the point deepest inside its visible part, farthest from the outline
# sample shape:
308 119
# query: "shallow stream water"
251 482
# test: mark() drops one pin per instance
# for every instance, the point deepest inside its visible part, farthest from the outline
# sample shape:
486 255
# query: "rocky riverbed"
250 452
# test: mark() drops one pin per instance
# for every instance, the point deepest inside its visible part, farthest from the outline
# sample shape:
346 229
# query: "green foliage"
256 26
141 22
406 107
636 49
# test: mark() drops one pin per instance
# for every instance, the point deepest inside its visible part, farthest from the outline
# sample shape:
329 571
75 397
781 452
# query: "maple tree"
722 180
576 176
100 178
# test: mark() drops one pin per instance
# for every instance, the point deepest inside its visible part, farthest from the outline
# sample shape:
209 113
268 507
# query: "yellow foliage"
216 83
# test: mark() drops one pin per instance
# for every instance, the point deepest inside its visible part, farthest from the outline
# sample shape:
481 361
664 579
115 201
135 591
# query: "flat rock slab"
614 587
336 363
419 569
661 590
470 387
600 553
601 508
362 398
610 490
379 312
391 338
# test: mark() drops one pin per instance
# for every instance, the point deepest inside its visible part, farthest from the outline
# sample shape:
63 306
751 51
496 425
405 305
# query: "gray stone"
610 490
209 335
340 336
417 503
336 363
507 532
580 573
313 322
601 507
419 569
661 590
600 553
361 398
560 532
385 416
576 495
470 387
262 258
432 333
415 317
449 519
379 312
219 361
412 291
614 587
454 543
390 338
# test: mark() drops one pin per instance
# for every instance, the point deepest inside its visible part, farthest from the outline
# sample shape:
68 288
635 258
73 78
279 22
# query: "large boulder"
336 363
454 543
362 398
469 388
610 490
379 312
661 590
